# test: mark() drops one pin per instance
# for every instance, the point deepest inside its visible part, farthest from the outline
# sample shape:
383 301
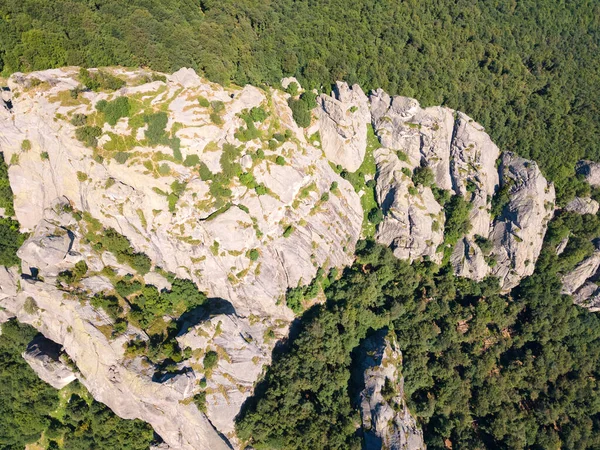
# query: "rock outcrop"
343 119
588 296
205 232
244 218
462 159
590 170
585 270
518 233
220 186
413 223
583 205
43 356
386 420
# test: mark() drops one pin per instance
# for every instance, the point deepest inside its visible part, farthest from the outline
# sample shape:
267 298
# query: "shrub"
205 173
260 189
164 169
254 254
200 401
101 105
375 216
288 231
45 156
191 160
26 145
203 102
293 89
484 244
217 106
300 112
248 180
116 109
121 157
457 219
78 120
88 135
211 358
423 176
258 114
157 123
100 80
216 118
280 160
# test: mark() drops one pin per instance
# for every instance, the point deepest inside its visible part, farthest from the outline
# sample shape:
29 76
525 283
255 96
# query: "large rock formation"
583 205
590 170
220 186
386 420
413 223
243 217
463 159
519 231
585 270
343 119
189 232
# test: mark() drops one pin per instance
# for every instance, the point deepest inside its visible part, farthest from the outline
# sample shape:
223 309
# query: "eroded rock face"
190 233
468 260
463 160
243 348
386 420
573 280
78 329
413 225
518 234
237 242
343 120
588 296
583 205
43 356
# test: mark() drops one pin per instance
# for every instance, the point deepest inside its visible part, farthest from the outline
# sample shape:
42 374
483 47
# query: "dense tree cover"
526 70
30 407
482 370
10 237
25 400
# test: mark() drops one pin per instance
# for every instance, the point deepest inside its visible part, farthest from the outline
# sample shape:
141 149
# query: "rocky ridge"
281 213
387 422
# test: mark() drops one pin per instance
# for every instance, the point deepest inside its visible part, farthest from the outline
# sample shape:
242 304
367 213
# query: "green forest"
481 370
528 70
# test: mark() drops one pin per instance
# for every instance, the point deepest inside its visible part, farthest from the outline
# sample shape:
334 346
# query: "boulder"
343 119
590 170
573 280
468 260
43 356
588 296
386 420
583 205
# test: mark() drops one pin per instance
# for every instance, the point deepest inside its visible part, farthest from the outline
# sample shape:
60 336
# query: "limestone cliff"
220 186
